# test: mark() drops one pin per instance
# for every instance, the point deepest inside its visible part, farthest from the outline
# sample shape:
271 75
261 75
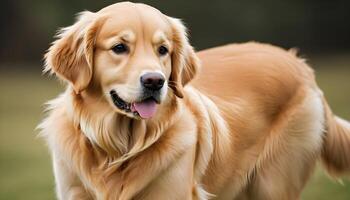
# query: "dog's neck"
119 136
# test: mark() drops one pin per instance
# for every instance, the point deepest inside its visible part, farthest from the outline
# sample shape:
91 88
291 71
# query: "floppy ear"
185 62
71 56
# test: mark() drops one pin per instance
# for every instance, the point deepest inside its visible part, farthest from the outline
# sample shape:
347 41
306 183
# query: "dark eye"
162 50
120 48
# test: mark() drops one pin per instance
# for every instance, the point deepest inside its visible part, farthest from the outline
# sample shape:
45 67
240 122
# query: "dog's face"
131 52
132 59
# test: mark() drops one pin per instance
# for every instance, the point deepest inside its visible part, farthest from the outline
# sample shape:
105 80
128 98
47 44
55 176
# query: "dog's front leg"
163 171
68 186
159 178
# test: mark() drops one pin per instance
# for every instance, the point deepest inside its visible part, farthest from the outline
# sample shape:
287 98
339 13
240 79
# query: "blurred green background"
319 28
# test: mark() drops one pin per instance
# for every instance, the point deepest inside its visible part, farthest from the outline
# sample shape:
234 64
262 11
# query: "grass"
25 165
25 168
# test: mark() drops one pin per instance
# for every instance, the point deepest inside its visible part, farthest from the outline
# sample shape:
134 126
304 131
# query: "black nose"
152 81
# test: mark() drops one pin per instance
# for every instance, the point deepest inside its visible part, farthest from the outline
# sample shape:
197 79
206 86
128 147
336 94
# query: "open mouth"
145 108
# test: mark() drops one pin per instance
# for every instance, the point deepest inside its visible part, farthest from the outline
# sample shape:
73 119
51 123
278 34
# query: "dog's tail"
336 147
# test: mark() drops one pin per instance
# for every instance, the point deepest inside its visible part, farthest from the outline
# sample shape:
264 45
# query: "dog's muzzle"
145 107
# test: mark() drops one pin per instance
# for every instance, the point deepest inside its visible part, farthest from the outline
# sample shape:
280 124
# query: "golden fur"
251 125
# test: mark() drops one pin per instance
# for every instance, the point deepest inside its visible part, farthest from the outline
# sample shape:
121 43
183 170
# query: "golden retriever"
136 123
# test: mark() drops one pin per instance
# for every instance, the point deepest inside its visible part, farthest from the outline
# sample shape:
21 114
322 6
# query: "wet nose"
152 81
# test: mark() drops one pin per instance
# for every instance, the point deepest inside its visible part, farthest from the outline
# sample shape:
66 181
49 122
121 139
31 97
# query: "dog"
144 116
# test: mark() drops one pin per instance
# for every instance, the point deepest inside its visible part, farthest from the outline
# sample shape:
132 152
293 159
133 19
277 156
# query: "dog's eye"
120 48
162 50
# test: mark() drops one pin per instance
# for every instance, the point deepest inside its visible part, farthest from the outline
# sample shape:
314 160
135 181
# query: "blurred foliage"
27 27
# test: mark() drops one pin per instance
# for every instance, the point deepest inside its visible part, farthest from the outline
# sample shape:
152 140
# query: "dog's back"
276 118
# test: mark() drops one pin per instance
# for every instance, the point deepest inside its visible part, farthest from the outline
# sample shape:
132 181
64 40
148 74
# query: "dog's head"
129 53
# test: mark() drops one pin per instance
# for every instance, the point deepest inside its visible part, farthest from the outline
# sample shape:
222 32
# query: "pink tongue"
146 109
